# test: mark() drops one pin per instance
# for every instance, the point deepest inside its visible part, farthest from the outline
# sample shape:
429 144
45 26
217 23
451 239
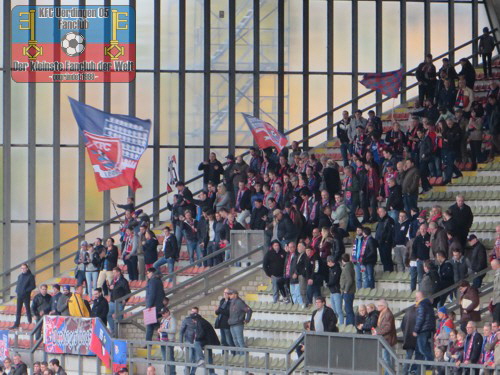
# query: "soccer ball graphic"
73 44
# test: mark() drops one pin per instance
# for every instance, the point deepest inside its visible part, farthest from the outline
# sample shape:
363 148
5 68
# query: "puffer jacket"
426 321
334 273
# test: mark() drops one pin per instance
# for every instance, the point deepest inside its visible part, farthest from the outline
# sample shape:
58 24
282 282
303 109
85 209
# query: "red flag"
169 189
388 83
265 134
111 170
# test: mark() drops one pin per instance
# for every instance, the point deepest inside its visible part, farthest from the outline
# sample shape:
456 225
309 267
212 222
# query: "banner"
388 83
4 345
119 355
101 343
115 144
265 134
67 334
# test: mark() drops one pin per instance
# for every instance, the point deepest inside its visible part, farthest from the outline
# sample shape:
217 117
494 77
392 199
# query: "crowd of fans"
306 208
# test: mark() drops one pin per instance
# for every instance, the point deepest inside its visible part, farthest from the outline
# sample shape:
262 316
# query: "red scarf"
347 183
363 247
469 347
238 199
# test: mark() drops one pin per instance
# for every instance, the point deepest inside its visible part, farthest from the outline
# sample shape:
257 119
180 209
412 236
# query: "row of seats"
471 196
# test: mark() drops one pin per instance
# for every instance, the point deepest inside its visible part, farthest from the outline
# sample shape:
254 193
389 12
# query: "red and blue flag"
388 83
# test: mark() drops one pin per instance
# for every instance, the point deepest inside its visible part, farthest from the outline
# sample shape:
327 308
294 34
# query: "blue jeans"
349 310
226 338
238 338
435 166
336 301
387 358
409 201
171 357
424 347
211 248
278 287
450 157
198 349
192 248
295 292
343 151
416 274
313 291
359 275
169 261
91 278
369 276
179 233
133 272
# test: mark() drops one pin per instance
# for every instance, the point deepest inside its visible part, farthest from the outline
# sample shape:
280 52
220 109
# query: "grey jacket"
347 279
187 330
62 304
239 312
496 288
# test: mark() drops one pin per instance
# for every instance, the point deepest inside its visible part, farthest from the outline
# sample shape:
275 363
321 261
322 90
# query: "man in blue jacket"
154 298
425 326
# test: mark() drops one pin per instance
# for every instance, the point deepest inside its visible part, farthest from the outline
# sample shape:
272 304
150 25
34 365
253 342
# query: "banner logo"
73 43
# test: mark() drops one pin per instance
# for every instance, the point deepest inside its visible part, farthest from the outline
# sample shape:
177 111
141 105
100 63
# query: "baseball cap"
472 237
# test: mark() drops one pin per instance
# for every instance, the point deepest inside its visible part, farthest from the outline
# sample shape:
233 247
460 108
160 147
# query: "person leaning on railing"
239 315
119 288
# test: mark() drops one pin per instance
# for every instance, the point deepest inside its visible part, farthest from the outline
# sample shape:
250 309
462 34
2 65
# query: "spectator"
333 283
273 265
446 276
56 294
222 199
360 318
166 333
285 229
426 77
469 304
119 288
463 216
41 305
385 238
154 298
258 216
129 254
20 368
461 266
419 254
150 249
151 370
394 204
368 258
465 98
351 189
494 125
438 239
355 256
212 169
314 274
170 251
475 137
472 347
323 319
302 264
446 95
478 259
386 328
56 367
468 73
221 322
239 314
424 328
291 279
92 263
44 366
36 368
401 229
430 281
489 342
409 340
348 288
108 262
340 212
80 263
495 300
25 285
371 320
187 334
331 178
77 306
449 70
100 306
410 185
444 329
204 335
345 133
62 303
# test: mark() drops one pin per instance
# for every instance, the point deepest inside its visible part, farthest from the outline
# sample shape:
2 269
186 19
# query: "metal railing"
5 276
201 284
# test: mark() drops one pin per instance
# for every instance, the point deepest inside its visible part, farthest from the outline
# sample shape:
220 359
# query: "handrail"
161 195
450 289
191 281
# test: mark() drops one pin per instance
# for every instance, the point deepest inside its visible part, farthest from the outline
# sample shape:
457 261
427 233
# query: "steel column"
281 65
6 148
354 30
305 72
427 26
106 204
329 66
31 164
182 89
81 159
378 49
232 77
156 108
56 160
131 98
256 58
206 79
451 29
402 45
475 34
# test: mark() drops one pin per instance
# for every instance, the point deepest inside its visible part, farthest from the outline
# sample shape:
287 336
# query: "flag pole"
116 211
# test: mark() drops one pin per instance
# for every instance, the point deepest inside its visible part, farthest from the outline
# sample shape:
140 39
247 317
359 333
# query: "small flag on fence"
388 83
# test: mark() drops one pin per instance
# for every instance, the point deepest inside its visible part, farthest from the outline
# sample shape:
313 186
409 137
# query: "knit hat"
443 310
84 243
66 287
329 258
423 214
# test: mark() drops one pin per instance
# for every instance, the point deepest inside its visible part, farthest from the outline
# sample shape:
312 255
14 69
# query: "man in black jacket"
119 288
257 221
478 259
323 319
384 235
394 203
41 305
425 326
409 341
401 228
420 252
109 260
291 279
472 347
100 306
221 322
154 298
212 169
56 294
204 335
170 251
368 258
286 230
463 217
445 270
273 265
452 139
25 285
425 154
